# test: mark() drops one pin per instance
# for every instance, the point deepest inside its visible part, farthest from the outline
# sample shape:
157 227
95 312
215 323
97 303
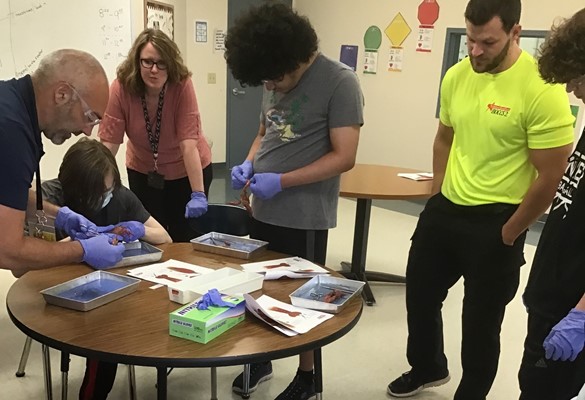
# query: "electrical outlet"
211 78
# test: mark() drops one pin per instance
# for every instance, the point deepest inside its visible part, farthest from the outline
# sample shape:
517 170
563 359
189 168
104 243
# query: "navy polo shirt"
21 147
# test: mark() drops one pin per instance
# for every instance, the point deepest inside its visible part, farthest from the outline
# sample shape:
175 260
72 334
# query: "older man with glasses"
49 101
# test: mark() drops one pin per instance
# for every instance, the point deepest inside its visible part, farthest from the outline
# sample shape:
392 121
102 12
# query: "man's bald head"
63 78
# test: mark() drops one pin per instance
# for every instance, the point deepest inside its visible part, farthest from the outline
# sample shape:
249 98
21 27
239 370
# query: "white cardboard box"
226 280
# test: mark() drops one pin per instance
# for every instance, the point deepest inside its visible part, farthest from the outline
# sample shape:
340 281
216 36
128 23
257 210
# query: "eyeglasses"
92 118
273 81
148 63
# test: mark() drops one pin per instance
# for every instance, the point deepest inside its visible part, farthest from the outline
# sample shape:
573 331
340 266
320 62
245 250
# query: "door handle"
237 92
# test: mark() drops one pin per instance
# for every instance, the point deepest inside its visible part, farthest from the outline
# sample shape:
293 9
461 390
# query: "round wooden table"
365 183
134 330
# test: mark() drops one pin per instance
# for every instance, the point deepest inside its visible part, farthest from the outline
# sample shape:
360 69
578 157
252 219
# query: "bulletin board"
161 16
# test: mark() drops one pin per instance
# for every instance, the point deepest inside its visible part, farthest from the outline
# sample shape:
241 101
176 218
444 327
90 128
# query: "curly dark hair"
82 174
562 55
268 42
128 73
480 12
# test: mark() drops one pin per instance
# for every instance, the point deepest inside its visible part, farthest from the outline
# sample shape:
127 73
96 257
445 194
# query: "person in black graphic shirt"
553 365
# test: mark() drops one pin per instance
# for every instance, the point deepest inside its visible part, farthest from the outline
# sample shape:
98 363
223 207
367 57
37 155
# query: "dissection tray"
326 293
90 291
228 245
139 253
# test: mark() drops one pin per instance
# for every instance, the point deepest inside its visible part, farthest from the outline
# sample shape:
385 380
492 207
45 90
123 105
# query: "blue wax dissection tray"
90 291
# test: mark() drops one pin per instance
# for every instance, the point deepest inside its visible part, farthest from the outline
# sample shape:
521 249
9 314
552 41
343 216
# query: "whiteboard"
31 29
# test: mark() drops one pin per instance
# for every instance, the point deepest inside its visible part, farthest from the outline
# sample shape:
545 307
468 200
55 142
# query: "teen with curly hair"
553 365
310 121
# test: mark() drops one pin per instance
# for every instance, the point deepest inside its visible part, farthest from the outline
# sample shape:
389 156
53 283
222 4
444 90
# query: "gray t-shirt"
297 124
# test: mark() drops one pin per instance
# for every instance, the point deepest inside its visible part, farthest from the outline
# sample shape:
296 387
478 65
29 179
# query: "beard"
492 64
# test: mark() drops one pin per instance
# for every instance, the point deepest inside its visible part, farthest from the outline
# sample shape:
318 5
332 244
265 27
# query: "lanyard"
41 217
153 138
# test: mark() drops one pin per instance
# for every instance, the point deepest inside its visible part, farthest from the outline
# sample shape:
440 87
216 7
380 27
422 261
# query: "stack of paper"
170 271
283 317
292 267
421 176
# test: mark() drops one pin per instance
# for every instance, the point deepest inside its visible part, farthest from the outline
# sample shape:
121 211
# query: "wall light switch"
211 78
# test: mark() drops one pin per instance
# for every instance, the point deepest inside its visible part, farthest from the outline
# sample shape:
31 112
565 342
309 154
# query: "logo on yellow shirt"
498 110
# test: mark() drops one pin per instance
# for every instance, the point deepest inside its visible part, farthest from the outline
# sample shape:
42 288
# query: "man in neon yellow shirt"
500 151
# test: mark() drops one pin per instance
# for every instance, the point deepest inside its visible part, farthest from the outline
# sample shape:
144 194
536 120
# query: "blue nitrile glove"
100 253
567 338
212 298
74 225
241 174
265 186
197 206
133 230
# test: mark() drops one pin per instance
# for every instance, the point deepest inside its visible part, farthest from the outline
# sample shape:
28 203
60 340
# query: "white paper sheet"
170 271
297 319
280 273
421 176
293 264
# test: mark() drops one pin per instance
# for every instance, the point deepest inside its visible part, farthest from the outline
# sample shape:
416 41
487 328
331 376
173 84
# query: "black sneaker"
409 384
259 372
298 390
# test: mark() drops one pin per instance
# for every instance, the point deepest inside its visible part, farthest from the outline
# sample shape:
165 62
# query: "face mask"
107 199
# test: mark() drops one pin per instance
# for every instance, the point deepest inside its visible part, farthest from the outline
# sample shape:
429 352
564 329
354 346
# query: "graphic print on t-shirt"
285 123
570 182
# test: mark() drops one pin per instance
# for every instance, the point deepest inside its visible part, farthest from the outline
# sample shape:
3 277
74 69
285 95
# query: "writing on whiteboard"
28 65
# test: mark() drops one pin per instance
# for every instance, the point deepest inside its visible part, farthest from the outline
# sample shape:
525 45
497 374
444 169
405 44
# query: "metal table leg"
47 371
64 374
213 383
357 269
161 383
24 357
318 366
131 382
246 382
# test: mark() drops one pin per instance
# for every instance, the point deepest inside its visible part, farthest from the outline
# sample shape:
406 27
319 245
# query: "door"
243 103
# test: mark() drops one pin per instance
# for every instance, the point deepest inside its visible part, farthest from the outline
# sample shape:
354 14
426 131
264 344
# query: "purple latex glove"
212 298
265 186
133 230
75 225
567 338
241 174
100 253
197 206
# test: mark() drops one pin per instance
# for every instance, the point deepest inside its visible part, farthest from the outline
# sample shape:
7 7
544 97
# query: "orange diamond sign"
398 30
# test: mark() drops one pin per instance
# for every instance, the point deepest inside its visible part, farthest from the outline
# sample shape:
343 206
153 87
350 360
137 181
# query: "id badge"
41 231
156 180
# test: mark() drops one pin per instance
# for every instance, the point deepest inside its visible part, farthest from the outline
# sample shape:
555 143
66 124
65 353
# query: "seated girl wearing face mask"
89 184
